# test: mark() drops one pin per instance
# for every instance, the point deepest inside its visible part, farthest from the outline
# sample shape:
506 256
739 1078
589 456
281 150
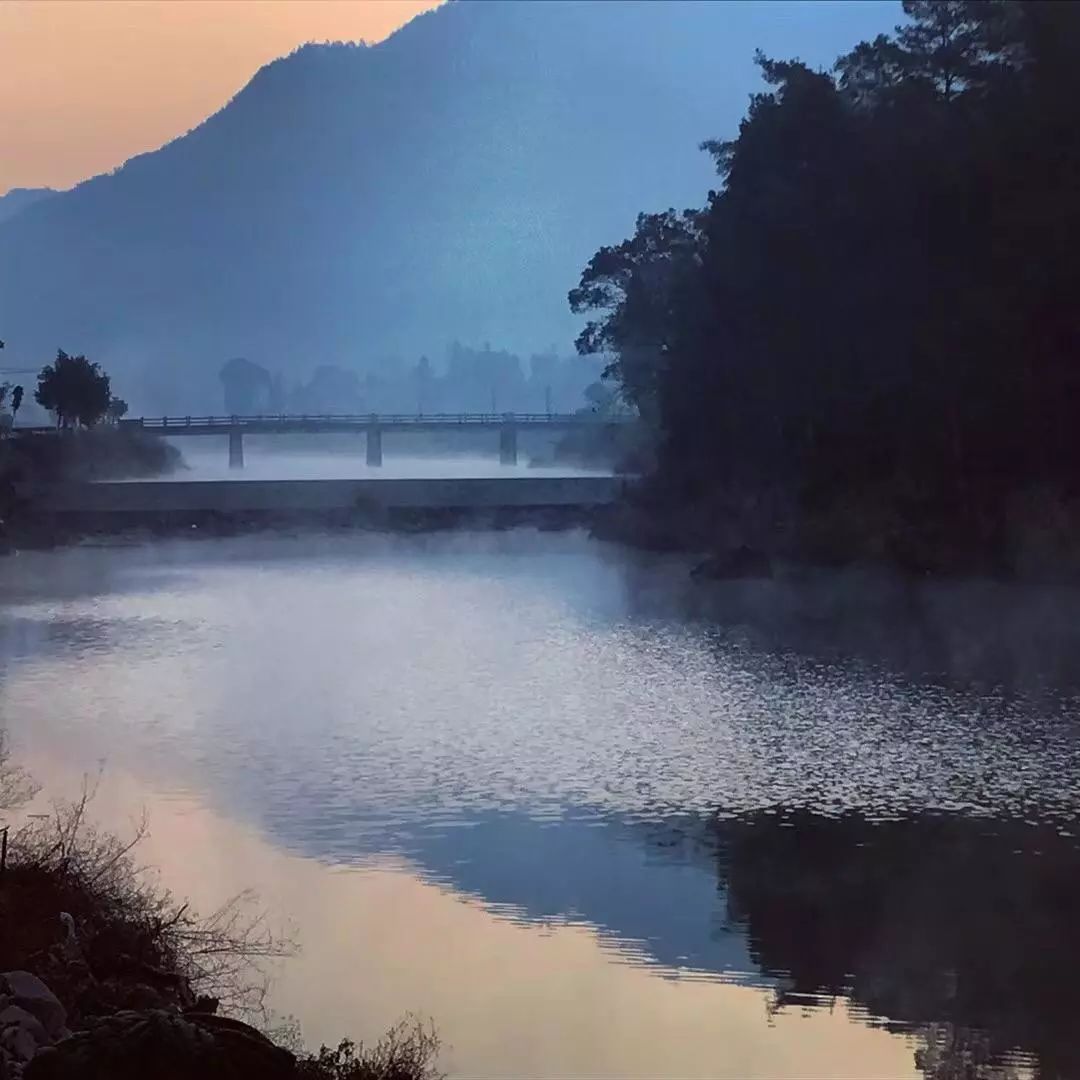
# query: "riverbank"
102 974
1027 535
728 534
102 453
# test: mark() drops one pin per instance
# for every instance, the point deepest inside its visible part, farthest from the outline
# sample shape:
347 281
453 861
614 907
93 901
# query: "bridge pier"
374 446
508 444
236 448
372 425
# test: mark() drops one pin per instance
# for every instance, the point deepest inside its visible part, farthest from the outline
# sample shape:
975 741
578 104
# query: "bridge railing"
162 423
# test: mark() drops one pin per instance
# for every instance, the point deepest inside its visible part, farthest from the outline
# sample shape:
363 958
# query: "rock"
30 993
114 995
138 1045
740 562
14 1016
22 1036
19 1042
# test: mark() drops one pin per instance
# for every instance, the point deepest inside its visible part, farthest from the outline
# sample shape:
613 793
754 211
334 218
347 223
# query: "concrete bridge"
372 426
118 504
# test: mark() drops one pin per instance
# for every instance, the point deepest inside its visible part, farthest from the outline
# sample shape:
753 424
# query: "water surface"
591 819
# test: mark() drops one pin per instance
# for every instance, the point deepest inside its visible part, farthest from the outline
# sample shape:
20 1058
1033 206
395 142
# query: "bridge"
371 425
114 505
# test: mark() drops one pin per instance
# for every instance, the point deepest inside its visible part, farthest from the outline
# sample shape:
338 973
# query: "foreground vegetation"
134 983
864 343
89 443
99 453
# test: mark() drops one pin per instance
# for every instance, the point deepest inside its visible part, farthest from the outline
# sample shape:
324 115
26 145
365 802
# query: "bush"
406 1052
131 933
142 975
106 453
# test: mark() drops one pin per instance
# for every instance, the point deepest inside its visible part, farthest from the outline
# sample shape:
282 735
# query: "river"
591 818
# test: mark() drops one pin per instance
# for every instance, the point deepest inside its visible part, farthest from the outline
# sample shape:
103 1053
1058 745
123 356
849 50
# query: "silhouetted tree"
118 408
333 389
878 301
245 384
483 379
633 284
74 389
424 380
16 401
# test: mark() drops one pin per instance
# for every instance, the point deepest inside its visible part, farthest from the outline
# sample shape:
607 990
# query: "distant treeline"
878 307
470 380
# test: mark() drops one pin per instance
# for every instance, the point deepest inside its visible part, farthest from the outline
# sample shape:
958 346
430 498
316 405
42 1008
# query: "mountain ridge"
18 199
352 204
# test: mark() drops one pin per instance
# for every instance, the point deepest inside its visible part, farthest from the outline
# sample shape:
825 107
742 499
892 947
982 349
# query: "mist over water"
343 458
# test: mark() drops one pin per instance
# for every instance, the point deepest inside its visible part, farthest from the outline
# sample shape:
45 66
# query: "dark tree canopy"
881 295
74 389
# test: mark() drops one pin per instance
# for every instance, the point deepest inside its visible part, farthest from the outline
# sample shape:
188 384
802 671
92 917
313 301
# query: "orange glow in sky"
86 84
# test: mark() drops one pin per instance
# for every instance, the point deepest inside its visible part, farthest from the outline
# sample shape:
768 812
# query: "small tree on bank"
117 410
75 390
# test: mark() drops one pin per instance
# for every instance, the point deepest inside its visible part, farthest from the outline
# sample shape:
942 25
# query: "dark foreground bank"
103 975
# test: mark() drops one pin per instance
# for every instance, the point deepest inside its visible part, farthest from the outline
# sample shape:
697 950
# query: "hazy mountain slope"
18 199
353 203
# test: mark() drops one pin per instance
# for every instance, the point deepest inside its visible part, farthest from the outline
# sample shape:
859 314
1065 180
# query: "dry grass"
140 947
408 1051
129 928
16 784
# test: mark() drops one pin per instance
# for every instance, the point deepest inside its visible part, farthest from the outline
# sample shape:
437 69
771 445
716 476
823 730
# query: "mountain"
18 199
354 204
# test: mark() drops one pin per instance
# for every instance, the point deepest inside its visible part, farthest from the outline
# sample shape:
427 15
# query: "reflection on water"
926 921
666 814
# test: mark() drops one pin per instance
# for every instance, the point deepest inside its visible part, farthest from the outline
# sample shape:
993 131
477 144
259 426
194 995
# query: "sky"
86 84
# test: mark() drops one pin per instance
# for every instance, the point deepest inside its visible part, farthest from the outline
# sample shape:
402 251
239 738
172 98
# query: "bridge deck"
286 423
371 425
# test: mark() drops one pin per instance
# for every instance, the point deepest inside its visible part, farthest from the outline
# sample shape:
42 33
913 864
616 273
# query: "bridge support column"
374 446
236 448
508 444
